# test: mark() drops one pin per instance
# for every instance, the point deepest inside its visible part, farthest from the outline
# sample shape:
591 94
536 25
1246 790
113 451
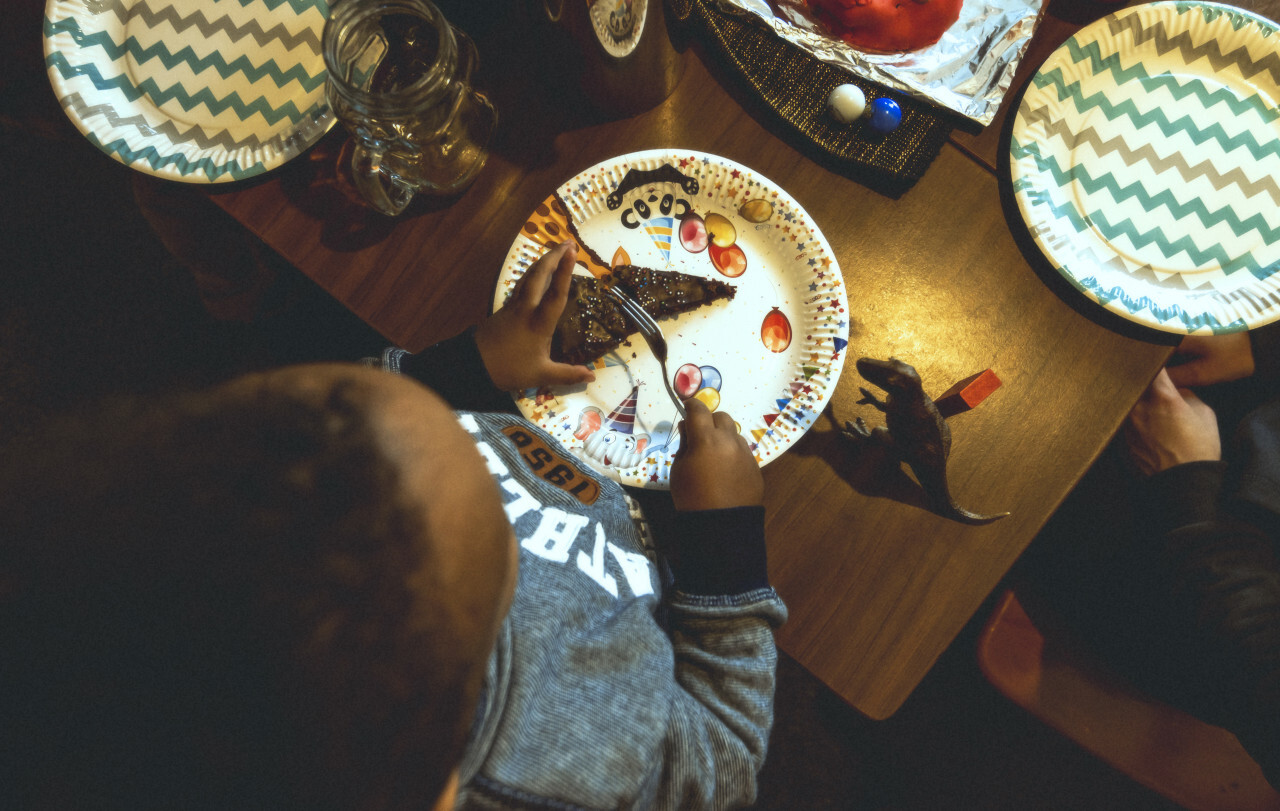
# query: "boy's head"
277 593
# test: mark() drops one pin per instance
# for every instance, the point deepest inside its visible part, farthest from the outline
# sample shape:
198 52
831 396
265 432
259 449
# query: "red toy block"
968 393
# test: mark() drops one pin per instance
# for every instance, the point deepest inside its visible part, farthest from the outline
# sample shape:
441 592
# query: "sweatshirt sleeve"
726 668
453 369
720 616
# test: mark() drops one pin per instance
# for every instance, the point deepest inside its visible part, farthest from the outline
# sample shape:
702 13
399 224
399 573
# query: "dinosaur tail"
964 516
936 485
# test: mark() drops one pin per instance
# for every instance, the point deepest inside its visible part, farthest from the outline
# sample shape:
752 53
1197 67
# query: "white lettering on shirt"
593 565
523 502
635 567
555 534
558 532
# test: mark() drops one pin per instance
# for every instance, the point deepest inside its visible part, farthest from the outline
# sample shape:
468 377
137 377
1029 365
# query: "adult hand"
1171 426
515 342
713 468
1212 359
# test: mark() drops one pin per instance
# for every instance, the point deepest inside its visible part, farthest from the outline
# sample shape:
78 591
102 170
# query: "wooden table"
942 277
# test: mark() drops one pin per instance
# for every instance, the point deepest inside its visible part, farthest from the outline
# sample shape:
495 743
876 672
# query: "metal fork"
652 334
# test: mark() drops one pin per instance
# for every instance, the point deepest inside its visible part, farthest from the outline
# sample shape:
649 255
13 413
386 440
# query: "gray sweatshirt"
621 678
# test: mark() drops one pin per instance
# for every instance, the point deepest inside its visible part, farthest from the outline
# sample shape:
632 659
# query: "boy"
319 588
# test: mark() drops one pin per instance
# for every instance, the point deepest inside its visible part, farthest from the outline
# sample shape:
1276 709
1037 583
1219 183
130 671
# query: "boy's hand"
1170 427
714 468
1209 359
515 342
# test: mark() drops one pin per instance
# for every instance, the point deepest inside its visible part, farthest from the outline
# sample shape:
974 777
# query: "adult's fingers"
1161 387
1192 373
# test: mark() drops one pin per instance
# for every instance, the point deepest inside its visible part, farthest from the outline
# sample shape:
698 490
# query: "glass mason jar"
399 81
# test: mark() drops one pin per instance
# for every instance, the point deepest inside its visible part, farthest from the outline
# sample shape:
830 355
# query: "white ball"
846 103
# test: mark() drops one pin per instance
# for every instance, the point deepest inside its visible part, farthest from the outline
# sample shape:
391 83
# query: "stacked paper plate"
1145 158
190 90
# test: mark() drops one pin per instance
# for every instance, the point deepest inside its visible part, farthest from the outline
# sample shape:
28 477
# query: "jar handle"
383 190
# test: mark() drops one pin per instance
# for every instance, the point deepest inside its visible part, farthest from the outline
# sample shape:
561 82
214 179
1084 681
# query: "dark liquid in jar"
413 45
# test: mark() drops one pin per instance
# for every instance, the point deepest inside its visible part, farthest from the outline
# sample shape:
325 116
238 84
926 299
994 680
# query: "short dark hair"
204 603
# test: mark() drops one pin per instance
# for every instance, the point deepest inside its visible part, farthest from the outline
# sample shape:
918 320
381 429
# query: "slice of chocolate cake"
593 325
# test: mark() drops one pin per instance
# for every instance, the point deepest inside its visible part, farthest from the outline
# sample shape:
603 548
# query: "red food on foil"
889 26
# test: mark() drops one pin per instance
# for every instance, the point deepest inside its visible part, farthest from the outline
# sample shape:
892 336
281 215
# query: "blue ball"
886 115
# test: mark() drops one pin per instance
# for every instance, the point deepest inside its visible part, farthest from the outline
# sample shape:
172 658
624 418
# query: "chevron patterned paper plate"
202 91
1146 162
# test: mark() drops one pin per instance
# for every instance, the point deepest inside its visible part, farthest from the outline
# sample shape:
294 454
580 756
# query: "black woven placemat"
795 86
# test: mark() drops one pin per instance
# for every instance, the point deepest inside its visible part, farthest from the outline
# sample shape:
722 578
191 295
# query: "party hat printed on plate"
622 418
660 230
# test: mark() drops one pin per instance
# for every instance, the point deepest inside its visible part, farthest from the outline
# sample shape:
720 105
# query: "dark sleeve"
1265 342
717 552
1226 581
1182 495
454 369
1224 588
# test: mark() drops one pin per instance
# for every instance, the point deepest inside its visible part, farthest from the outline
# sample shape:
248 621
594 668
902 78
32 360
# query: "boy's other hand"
1209 359
714 468
515 342
1171 426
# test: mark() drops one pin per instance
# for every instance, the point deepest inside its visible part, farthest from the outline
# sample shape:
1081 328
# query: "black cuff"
1182 495
455 370
1265 344
717 552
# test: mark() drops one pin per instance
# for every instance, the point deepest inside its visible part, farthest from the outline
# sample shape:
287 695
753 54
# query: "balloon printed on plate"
693 233
775 331
688 380
721 231
709 397
730 261
693 382
756 211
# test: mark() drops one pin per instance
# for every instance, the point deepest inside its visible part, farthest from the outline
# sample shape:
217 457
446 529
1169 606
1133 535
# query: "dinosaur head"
890 375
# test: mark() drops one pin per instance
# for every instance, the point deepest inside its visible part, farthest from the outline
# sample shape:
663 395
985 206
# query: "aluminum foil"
968 71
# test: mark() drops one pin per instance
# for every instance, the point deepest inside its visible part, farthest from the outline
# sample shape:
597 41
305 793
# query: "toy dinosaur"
914 431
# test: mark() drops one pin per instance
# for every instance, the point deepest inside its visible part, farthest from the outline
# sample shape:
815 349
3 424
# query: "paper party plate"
202 92
771 357
1145 157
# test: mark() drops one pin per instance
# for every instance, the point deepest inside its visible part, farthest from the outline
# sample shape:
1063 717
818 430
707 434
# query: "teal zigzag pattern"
240 65
222 140
299 6
158 95
1181 91
1158 37
1128 109
1162 313
185 166
1043 119
1136 191
1125 227
208 28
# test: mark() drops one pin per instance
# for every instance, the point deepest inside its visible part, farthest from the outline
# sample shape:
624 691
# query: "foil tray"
968 71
